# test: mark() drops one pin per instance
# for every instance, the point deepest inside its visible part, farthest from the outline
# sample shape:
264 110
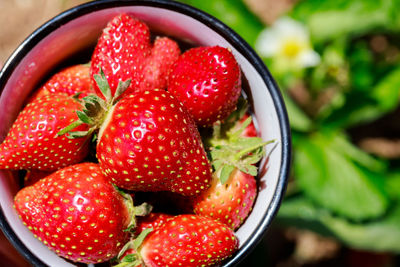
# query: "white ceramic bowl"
77 30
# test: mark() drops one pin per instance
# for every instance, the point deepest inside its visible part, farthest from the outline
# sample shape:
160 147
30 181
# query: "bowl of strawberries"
139 133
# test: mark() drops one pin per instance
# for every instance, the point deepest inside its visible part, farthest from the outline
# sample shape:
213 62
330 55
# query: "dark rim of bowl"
217 26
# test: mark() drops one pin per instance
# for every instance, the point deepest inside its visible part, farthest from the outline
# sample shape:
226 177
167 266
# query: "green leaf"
130 258
83 117
368 106
103 85
386 93
328 20
121 88
225 173
332 179
140 238
77 134
229 150
392 183
382 234
69 128
298 119
344 146
234 13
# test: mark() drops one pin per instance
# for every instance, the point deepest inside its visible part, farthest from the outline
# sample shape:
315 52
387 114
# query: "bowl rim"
236 41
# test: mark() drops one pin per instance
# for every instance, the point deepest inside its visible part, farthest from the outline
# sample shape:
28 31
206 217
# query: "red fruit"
234 150
188 240
164 53
250 130
124 51
33 143
71 80
32 176
149 142
77 213
151 221
230 202
207 80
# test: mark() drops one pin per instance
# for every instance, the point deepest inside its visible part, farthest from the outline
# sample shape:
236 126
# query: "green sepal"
141 237
83 117
122 86
130 260
69 127
226 171
229 150
103 85
77 134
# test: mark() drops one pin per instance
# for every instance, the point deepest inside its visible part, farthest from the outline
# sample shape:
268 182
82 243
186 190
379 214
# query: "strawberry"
164 53
233 190
250 130
124 51
149 142
188 240
151 221
77 213
70 80
32 176
32 142
207 80
230 202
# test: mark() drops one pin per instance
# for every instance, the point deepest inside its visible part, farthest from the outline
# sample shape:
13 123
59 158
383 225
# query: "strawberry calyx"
230 150
95 109
143 209
129 255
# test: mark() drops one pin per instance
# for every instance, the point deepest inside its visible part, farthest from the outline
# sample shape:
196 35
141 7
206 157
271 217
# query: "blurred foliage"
337 189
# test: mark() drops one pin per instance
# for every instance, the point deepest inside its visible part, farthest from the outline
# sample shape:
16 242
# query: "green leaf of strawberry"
235 149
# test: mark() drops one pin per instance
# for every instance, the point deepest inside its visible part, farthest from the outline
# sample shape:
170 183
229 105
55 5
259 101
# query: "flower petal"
308 58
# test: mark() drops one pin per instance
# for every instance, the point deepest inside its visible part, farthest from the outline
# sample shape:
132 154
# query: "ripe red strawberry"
149 142
32 142
77 213
250 130
234 151
164 53
230 202
70 80
207 80
151 221
32 176
124 51
188 240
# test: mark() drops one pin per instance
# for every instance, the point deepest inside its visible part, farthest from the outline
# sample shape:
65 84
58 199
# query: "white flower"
288 42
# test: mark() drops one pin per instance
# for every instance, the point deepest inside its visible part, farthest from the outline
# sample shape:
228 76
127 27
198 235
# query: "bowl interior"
66 36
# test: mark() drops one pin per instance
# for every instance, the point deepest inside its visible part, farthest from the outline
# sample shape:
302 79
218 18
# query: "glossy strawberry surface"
33 143
77 213
230 202
188 240
150 143
151 221
70 80
207 80
124 51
